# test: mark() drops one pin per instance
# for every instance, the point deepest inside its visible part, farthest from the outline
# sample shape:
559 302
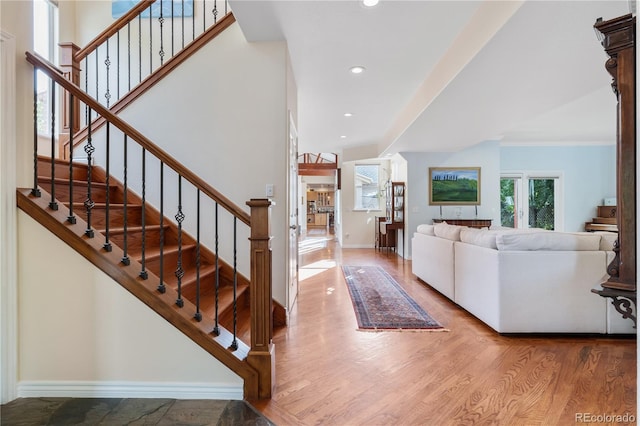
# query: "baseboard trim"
89 389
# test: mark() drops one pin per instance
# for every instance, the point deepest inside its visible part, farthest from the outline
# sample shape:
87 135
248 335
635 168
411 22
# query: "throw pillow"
426 229
449 232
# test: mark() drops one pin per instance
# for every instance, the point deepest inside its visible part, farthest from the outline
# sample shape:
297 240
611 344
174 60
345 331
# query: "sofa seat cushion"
550 241
449 232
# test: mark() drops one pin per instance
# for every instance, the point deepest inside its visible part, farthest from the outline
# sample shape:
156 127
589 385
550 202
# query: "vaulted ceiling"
442 75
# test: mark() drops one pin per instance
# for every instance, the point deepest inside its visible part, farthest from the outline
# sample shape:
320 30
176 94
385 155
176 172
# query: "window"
367 187
45 44
531 200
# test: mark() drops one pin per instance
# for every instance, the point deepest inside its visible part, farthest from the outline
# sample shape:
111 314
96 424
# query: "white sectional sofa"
521 281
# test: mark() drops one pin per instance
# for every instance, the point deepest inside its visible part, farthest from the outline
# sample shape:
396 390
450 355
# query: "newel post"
71 71
261 355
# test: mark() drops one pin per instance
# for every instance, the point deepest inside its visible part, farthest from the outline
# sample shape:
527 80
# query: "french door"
531 200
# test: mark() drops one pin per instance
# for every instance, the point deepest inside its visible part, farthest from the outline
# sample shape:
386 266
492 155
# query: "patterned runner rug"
381 304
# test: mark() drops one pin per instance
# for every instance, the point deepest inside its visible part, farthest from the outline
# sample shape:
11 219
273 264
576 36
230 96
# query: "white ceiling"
442 75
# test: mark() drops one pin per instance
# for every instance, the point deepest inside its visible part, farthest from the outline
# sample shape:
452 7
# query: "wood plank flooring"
328 373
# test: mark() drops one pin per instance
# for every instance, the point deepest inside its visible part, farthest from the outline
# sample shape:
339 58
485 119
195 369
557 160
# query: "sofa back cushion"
449 232
552 241
479 237
426 229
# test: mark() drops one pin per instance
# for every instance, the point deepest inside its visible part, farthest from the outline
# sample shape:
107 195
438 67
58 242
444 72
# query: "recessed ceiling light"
343 137
370 3
348 114
357 69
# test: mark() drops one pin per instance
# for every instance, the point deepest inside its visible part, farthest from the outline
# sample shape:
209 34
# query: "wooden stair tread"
190 276
132 229
225 299
76 182
154 252
111 205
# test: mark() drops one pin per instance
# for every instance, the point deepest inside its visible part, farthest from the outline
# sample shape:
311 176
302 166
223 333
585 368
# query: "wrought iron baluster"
35 191
204 15
161 20
234 344
179 218
107 245
215 11
161 286
71 218
193 21
143 273
125 257
198 315
88 202
53 205
216 328
107 63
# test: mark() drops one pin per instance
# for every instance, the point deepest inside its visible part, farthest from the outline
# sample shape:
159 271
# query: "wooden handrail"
113 29
56 75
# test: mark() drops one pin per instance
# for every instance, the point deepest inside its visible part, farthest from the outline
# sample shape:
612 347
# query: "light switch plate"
269 190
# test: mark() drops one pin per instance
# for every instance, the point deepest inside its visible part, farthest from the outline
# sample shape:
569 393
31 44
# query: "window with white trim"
531 200
367 187
45 44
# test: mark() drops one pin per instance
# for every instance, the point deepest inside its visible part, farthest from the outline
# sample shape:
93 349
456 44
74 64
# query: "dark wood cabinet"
387 227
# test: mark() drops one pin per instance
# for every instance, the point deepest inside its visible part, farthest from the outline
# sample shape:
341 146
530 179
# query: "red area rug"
381 304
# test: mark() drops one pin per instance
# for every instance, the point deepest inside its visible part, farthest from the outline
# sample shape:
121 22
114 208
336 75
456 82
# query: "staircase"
141 244
202 282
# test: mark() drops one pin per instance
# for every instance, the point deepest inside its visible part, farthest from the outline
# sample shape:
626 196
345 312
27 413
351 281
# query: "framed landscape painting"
454 186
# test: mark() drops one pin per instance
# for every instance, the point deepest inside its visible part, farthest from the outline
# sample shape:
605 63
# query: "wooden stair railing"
113 224
72 57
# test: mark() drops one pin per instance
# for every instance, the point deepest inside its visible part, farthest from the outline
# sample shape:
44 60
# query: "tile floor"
128 411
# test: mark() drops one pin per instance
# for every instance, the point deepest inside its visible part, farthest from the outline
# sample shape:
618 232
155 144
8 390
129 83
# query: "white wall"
485 155
82 334
15 156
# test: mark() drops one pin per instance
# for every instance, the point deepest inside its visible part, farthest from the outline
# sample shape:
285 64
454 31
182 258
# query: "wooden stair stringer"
145 290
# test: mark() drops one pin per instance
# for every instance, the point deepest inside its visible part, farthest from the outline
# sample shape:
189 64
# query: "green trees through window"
528 202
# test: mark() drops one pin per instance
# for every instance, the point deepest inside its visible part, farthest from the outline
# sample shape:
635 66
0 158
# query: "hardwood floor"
329 373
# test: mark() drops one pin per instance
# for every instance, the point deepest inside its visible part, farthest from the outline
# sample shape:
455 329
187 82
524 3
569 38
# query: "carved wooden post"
261 355
71 71
618 40
619 43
